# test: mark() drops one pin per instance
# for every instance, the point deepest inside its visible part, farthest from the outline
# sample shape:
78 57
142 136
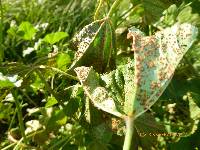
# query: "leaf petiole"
113 8
98 9
129 132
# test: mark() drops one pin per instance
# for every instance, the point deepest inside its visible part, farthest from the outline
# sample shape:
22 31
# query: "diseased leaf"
96 46
133 88
98 94
120 84
156 58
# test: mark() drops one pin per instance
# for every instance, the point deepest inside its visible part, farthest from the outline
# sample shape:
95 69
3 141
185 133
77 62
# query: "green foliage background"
41 99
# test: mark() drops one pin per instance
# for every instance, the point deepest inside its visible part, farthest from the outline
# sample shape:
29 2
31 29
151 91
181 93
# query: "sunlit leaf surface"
97 42
135 87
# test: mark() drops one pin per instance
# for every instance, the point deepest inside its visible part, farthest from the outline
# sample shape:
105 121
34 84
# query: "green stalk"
98 9
19 142
62 72
8 147
48 87
19 114
28 98
150 30
129 119
1 23
1 32
113 8
12 120
129 133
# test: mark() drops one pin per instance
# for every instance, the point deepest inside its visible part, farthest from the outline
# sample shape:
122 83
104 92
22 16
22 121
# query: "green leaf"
12 31
196 98
26 30
55 120
6 111
37 83
185 142
96 46
100 136
71 107
153 9
51 101
145 126
6 84
95 145
194 109
63 60
102 133
40 137
169 16
53 38
186 15
182 14
2 54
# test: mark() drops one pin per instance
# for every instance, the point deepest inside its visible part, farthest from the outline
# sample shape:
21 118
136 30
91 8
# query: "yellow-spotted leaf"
156 58
133 88
95 46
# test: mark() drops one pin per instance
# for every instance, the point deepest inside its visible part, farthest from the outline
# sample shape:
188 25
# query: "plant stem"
125 15
12 120
1 23
8 147
28 98
129 132
98 9
113 7
19 114
49 88
64 73
1 32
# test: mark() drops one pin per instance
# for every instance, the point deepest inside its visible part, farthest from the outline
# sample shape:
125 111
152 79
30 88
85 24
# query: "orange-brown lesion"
143 97
161 75
155 85
151 64
136 44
